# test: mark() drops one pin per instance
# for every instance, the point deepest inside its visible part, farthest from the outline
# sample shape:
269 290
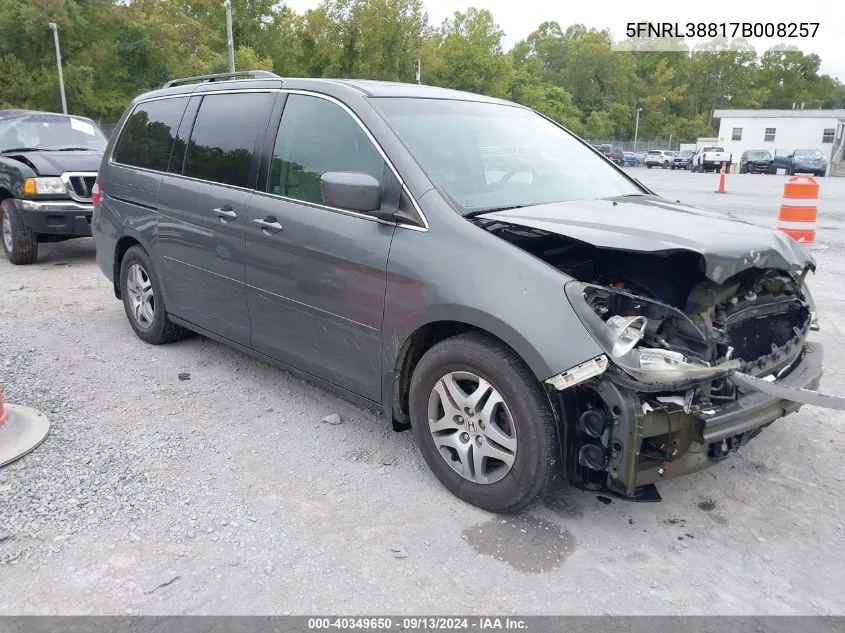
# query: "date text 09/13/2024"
721 29
413 623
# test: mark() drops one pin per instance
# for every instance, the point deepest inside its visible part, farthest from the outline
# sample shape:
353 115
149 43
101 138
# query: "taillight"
96 194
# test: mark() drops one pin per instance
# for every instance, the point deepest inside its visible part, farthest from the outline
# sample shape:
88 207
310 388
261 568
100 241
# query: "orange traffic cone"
721 188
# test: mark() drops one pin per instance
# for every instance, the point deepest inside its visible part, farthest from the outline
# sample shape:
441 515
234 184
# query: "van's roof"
366 87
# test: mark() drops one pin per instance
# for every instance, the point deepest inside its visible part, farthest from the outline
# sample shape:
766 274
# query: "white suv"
659 158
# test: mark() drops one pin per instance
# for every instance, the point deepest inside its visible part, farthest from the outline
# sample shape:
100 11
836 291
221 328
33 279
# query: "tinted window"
147 137
317 136
223 138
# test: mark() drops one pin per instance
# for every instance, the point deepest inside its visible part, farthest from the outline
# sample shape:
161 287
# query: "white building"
782 131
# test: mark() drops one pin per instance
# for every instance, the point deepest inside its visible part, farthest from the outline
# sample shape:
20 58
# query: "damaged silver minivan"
531 311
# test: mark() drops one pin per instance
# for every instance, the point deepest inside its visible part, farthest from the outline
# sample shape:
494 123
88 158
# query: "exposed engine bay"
668 402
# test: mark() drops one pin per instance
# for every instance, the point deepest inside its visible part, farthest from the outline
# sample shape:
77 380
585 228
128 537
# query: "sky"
518 18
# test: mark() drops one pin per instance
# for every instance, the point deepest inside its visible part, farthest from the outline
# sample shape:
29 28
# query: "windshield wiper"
75 149
21 149
472 214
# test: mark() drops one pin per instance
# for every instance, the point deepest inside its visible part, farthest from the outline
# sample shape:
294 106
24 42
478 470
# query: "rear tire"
523 430
18 241
143 300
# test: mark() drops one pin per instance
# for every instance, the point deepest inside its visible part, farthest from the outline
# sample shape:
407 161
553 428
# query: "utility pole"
230 43
419 70
59 65
637 129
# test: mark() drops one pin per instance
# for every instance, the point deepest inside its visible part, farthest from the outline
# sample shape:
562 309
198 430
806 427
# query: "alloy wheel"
472 427
141 296
7 232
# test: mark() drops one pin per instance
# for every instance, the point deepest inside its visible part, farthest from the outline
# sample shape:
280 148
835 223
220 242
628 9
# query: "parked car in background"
48 165
682 159
658 158
289 219
802 161
614 154
710 158
757 161
631 159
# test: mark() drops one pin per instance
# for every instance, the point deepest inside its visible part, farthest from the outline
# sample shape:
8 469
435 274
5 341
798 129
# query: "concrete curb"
25 429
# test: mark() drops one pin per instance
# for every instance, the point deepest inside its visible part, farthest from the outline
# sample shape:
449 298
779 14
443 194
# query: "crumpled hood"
655 225
56 163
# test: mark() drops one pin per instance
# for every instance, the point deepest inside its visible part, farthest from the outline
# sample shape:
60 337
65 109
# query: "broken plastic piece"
794 394
579 373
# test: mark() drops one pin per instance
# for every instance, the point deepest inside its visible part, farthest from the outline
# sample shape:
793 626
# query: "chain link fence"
640 146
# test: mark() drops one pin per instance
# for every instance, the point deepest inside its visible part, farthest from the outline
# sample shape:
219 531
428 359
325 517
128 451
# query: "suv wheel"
483 423
18 241
142 299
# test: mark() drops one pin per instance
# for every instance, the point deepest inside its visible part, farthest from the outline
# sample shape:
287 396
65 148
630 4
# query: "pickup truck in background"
48 166
710 159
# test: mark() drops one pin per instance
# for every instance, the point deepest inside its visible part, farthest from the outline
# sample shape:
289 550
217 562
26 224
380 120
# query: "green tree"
467 54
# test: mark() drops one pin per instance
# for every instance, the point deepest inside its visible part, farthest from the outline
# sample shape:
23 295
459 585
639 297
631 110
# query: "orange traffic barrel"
799 209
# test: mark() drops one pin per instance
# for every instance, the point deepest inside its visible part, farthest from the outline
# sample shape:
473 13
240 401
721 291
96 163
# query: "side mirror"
355 191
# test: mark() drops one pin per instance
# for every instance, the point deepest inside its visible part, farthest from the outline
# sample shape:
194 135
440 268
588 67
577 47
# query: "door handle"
269 226
225 213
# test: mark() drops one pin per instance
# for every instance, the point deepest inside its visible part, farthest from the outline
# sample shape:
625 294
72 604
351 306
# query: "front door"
316 275
203 212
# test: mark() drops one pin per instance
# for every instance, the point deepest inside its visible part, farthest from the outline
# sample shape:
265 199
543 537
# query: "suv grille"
80 184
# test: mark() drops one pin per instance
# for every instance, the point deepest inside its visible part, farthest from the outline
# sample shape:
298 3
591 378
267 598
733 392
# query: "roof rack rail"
255 74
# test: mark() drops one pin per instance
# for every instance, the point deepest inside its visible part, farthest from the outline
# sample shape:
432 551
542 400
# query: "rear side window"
222 141
317 136
147 137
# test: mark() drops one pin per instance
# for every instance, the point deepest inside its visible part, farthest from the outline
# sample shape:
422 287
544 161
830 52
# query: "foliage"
114 49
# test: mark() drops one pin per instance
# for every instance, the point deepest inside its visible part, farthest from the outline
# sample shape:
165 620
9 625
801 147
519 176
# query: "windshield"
50 132
759 154
685 153
489 156
807 153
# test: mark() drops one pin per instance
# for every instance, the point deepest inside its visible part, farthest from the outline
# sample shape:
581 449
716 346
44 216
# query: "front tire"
143 300
18 241
483 423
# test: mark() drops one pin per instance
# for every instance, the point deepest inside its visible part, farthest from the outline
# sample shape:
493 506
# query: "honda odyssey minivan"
466 265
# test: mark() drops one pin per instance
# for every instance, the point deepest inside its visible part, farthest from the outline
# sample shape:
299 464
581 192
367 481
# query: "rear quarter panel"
128 206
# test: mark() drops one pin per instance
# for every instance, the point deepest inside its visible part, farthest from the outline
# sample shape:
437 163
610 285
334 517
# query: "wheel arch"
122 245
401 363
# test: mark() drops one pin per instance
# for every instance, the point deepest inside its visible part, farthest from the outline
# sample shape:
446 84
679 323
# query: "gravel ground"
222 491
